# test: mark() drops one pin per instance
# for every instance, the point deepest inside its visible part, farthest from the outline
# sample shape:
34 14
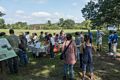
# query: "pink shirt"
70 53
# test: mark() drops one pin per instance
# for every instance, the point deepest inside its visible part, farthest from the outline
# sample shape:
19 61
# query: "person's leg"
25 59
1 65
84 71
110 48
91 71
71 71
90 64
15 64
65 71
78 53
100 47
52 53
115 49
101 44
21 57
81 62
97 42
10 65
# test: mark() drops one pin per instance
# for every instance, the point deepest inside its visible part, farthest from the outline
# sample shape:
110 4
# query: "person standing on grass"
28 37
14 42
52 44
110 37
70 57
61 36
78 42
22 50
90 35
115 42
87 49
99 40
35 37
81 52
57 38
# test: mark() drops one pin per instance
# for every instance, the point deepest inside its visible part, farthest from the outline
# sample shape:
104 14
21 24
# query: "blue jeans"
23 57
68 68
78 53
87 63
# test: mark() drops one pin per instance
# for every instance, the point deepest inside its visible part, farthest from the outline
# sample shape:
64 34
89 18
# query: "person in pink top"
70 57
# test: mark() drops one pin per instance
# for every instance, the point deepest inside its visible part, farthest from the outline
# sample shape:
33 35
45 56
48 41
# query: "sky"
40 11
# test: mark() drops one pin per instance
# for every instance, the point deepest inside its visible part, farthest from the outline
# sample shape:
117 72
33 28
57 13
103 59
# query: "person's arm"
63 46
75 49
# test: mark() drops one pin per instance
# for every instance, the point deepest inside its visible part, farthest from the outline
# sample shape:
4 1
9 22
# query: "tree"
68 23
90 10
110 12
61 20
49 23
2 23
1 14
103 12
20 25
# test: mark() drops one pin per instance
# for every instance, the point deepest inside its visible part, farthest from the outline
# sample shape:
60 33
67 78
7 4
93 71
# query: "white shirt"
28 38
52 41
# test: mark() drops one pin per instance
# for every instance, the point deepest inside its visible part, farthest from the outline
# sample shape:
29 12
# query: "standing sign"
6 51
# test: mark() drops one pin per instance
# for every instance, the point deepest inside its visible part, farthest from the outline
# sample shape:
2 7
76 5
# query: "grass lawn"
105 68
17 31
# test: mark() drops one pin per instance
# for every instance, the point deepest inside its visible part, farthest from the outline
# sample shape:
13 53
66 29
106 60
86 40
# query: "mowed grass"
43 68
17 31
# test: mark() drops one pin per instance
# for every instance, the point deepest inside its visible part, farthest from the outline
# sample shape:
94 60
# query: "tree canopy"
1 14
102 12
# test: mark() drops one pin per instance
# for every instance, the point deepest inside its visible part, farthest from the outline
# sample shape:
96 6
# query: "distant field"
17 31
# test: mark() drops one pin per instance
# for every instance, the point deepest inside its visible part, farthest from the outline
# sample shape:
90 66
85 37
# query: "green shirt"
14 42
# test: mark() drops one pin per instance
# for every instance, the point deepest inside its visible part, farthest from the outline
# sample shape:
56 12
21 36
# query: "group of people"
80 49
